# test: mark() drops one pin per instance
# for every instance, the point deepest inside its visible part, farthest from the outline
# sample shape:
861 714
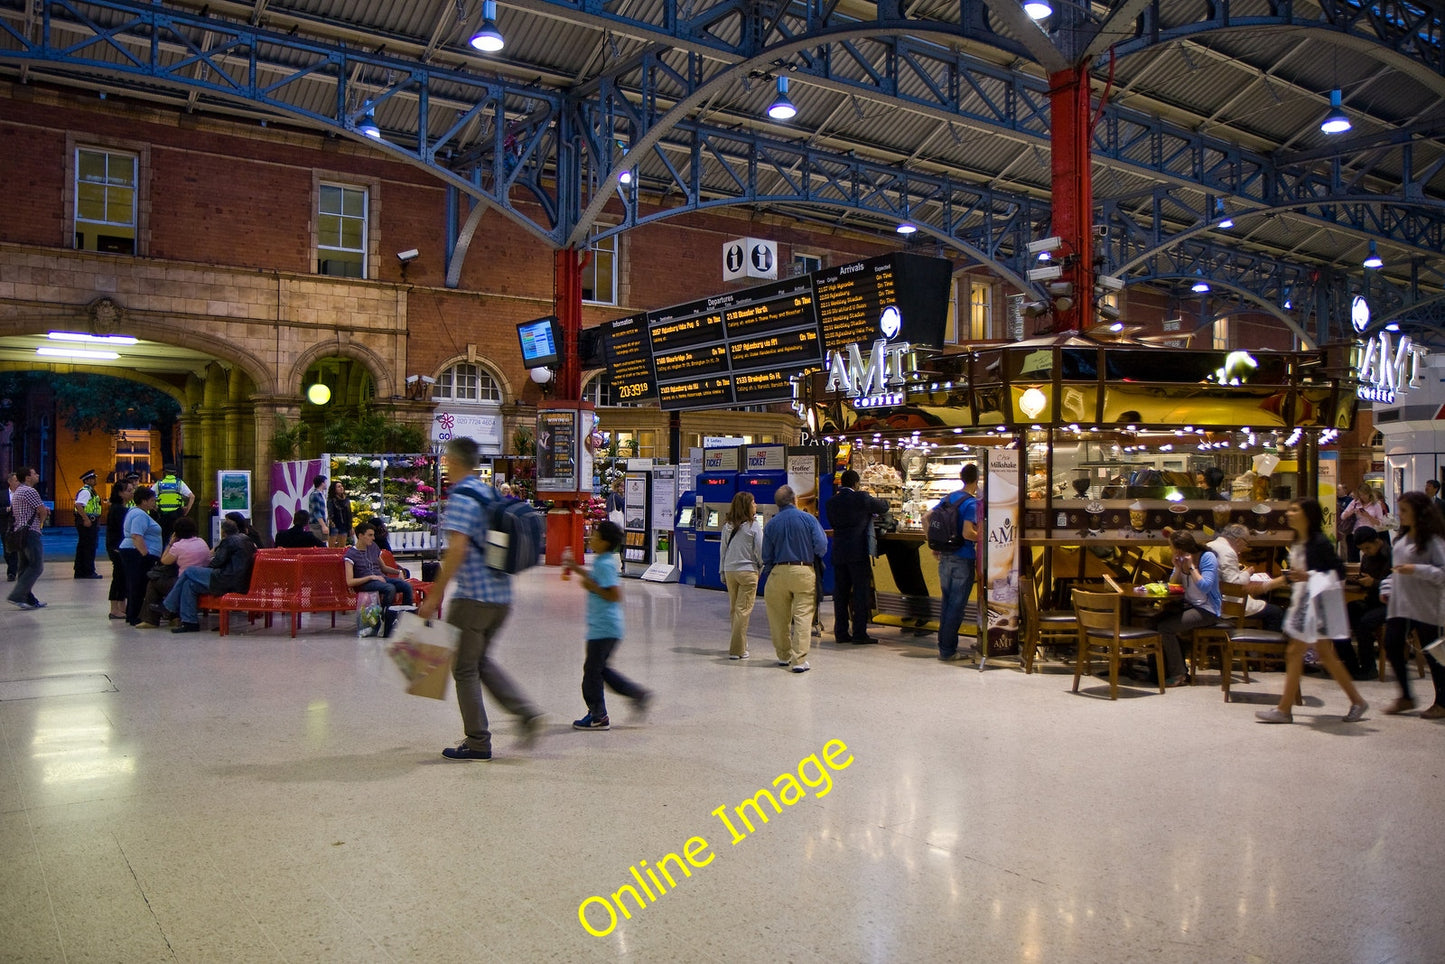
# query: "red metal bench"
289 582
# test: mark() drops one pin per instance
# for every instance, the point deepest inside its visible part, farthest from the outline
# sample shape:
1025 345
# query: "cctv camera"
411 254
1110 282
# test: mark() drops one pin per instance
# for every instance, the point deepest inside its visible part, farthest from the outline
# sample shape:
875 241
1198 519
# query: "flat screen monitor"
713 518
684 518
539 341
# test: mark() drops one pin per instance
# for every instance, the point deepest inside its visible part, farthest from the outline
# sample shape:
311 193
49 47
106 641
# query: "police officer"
173 500
87 530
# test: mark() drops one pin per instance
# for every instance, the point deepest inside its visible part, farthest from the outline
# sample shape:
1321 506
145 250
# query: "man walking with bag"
480 599
29 513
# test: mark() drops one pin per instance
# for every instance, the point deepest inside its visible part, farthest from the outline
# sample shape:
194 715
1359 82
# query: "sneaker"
743 656
1402 705
588 723
24 605
783 662
640 707
952 657
187 628
464 752
37 604
1435 712
531 729
802 667
1357 712
1273 715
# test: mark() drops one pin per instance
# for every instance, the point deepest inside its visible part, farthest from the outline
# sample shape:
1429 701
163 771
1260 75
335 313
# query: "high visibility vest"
93 504
168 494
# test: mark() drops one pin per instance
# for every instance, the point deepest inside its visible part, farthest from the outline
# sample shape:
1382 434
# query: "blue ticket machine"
686 537
715 490
764 485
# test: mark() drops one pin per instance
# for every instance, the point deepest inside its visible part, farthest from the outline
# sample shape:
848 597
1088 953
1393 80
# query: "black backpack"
945 525
514 533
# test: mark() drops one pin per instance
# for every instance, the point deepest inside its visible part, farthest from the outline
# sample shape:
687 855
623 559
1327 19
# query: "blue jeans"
32 564
955 578
194 583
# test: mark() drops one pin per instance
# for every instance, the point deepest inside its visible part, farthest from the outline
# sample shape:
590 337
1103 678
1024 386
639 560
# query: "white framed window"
806 264
106 184
1221 334
341 230
599 391
599 276
980 311
467 382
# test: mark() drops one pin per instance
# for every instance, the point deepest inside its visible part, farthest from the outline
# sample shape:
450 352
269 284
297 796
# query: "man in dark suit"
851 513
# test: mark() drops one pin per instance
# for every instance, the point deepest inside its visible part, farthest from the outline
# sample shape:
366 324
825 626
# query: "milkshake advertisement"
1001 561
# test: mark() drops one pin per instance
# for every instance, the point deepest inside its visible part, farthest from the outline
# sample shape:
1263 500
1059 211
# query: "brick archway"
376 366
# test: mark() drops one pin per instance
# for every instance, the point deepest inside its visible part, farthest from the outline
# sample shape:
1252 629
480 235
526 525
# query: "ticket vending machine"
715 491
686 537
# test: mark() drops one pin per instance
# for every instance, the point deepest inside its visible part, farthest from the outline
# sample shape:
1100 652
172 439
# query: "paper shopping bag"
423 651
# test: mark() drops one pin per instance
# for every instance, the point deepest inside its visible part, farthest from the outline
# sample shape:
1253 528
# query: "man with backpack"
479 600
952 529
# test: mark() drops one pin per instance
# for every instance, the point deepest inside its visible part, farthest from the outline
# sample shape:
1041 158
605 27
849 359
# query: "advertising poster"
485 430
1001 558
1328 490
234 486
803 480
558 451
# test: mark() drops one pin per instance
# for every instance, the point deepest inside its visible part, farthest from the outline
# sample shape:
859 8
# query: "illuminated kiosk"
1089 451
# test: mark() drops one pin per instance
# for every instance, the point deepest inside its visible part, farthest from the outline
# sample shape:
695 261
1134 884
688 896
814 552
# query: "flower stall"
398 490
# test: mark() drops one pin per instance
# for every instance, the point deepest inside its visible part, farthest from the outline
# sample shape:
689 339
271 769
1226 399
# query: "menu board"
854 301
557 451
628 352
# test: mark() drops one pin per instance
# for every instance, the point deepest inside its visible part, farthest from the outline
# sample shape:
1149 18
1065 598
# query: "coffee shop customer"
1417 597
1228 545
1367 615
1196 568
1213 479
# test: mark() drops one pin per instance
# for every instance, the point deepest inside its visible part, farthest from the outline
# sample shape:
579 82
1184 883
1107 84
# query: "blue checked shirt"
465 518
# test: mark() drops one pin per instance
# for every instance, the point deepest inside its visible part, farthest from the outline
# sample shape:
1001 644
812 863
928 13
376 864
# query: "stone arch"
375 364
178 392
493 369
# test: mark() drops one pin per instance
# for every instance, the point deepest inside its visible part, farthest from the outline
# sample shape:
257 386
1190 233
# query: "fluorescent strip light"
77 353
93 339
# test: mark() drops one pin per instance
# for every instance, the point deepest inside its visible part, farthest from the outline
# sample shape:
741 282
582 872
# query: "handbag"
14 541
164 570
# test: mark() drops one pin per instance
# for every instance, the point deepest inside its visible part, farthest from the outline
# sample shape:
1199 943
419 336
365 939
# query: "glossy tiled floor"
259 798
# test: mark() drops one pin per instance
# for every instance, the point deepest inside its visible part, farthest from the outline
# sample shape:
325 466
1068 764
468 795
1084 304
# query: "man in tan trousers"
791 540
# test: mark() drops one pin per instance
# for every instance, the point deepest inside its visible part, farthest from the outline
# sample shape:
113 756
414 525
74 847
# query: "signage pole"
564 523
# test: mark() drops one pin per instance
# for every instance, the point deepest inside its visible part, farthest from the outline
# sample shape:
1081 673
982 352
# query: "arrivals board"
853 301
629 359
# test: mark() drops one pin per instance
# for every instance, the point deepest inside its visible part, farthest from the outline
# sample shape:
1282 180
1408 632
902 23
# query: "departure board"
758 388
629 357
853 301
711 392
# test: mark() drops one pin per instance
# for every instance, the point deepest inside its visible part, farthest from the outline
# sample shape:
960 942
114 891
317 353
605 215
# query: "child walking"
604 627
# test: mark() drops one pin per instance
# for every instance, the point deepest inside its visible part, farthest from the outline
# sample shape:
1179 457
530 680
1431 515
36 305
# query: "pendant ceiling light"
782 108
1374 260
367 125
1038 9
1335 121
488 39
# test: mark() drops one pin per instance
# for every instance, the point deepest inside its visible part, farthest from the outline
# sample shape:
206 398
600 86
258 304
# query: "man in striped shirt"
478 601
29 513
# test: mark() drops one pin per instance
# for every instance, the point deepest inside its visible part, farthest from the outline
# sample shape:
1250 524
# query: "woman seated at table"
1196 568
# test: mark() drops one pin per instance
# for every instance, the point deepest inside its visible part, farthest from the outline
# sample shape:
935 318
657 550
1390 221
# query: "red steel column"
1073 191
567 306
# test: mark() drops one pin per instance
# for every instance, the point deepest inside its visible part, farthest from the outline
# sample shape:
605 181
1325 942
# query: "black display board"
628 353
854 298
741 348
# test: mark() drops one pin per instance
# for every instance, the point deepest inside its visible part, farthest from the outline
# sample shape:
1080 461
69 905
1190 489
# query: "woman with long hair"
1416 587
1316 613
1367 508
742 560
120 494
338 515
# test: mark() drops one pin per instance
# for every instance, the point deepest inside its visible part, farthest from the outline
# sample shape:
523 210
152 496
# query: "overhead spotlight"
906 227
488 39
1045 256
1038 9
368 126
1200 286
782 108
1335 121
1051 273
1051 243
1374 260
1225 221
624 176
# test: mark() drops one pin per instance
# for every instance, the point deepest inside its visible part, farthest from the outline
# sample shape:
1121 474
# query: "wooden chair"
1233 600
1412 648
1044 627
1246 642
1102 630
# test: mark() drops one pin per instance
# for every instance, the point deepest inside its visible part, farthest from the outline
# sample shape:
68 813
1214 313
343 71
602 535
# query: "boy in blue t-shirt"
604 627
